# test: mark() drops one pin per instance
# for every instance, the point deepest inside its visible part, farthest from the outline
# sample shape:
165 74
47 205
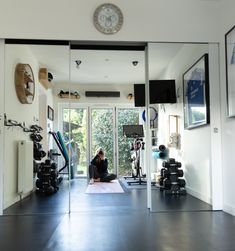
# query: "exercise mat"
105 187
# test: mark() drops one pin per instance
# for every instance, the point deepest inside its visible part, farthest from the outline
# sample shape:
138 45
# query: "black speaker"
102 94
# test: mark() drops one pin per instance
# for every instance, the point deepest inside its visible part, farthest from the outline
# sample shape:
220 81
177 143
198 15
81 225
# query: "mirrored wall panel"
181 157
36 173
104 78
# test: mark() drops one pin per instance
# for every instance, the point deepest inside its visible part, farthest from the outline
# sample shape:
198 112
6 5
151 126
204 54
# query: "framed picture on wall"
230 71
50 113
196 94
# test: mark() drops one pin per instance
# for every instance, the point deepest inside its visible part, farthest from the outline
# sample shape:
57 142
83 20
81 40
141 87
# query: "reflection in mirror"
35 180
181 170
104 79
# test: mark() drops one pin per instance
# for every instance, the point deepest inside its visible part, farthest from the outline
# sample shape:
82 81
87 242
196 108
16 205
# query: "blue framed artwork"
230 71
196 94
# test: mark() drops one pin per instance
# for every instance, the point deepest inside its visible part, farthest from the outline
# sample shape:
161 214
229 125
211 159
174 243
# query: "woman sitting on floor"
98 169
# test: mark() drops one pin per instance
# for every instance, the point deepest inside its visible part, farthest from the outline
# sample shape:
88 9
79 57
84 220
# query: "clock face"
108 18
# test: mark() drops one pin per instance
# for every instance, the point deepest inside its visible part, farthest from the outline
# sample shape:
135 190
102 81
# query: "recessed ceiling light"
106 59
135 62
78 62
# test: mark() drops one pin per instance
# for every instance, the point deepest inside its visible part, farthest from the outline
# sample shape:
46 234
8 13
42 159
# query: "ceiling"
103 66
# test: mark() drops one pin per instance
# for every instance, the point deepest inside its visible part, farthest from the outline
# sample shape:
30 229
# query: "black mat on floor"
126 186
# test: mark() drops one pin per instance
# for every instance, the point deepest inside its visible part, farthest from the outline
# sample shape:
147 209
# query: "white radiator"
25 166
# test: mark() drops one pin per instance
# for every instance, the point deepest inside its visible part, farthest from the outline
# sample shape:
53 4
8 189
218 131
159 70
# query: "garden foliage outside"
102 135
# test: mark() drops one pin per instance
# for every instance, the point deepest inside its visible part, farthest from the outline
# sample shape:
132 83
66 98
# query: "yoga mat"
105 187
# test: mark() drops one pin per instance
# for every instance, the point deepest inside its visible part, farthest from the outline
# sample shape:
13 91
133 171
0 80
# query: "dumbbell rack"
170 183
47 182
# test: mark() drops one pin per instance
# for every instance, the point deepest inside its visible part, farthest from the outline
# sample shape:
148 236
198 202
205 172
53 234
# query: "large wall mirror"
83 98
35 173
182 173
104 75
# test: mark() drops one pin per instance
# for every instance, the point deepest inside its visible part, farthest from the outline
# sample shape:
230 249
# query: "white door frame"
148 152
215 123
2 103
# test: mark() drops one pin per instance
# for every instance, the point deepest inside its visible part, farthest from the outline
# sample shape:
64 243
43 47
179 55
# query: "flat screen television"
133 131
139 95
160 92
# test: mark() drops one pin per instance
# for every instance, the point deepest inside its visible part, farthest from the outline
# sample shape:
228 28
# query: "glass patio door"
102 134
75 133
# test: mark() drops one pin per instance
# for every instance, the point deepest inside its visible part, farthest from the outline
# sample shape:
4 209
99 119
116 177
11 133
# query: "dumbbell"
161 181
54 182
181 182
165 173
54 174
172 169
36 128
50 190
162 171
167 183
35 137
171 164
173 177
180 173
171 161
39 184
53 165
39 174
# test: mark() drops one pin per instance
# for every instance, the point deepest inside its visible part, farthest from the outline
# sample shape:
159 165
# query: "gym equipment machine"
136 148
170 181
61 145
69 163
136 132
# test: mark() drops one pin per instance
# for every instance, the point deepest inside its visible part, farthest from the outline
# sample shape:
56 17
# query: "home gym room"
89 93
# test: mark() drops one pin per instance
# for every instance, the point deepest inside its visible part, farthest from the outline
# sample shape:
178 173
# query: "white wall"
50 124
149 20
227 21
43 119
16 111
27 113
195 149
124 90
45 100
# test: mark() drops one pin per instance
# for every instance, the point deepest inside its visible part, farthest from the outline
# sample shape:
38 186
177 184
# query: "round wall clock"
108 18
24 83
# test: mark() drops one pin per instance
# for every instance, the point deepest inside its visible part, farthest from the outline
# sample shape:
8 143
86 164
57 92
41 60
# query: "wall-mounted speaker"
106 94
